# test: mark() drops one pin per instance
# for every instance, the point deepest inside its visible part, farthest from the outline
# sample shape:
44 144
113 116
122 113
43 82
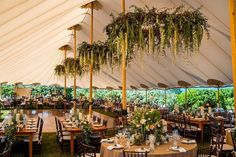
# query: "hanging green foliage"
144 30
59 70
155 30
97 54
69 67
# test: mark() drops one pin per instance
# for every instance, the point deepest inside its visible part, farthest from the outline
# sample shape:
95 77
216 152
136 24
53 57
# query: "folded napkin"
28 128
188 141
142 150
97 125
117 146
107 140
180 149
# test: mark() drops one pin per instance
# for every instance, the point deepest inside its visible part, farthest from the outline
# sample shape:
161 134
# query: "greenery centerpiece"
145 122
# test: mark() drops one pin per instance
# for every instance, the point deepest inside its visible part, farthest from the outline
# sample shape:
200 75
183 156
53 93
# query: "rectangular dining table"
25 132
75 130
201 124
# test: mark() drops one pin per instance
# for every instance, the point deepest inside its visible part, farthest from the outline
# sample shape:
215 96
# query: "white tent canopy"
32 31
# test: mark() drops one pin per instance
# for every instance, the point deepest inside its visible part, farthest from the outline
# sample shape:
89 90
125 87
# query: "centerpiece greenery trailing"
9 131
150 30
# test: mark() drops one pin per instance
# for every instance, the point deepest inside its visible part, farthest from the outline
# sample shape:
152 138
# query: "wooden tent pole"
74 67
91 65
146 95
218 96
65 75
233 46
186 97
123 66
165 96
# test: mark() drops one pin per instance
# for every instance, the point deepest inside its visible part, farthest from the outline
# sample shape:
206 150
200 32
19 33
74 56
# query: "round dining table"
162 150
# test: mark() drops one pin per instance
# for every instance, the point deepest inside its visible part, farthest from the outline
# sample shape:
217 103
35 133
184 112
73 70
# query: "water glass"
128 144
116 141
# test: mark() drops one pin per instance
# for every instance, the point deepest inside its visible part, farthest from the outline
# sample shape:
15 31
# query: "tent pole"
146 95
65 75
218 96
91 65
123 66
165 96
74 68
233 46
186 97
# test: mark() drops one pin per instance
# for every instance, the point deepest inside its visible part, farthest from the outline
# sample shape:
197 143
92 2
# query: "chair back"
99 120
203 151
88 151
7 150
56 125
41 129
233 136
60 129
38 119
134 154
217 146
104 123
94 118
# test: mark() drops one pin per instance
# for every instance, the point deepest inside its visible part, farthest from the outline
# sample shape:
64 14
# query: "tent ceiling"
32 31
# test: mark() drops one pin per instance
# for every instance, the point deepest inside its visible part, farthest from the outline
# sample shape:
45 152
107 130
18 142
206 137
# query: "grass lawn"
50 148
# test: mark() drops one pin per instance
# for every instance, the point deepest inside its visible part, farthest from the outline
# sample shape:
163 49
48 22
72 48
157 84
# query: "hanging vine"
143 30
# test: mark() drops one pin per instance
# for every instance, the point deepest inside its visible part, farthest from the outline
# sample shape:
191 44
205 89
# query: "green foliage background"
196 96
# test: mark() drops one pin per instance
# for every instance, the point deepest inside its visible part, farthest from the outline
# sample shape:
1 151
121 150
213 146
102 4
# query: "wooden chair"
204 152
99 120
57 129
63 138
37 138
7 150
189 130
104 123
233 136
89 151
94 118
134 154
218 147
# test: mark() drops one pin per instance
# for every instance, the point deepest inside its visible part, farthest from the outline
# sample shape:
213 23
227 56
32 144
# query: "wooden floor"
49 118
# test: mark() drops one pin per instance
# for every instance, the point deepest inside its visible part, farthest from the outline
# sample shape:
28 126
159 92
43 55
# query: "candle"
77 111
202 109
80 116
10 120
17 117
135 108
21 112
164 124
128 110
72 111
209 110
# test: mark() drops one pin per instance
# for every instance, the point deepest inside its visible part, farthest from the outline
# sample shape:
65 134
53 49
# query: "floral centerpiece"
145 122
